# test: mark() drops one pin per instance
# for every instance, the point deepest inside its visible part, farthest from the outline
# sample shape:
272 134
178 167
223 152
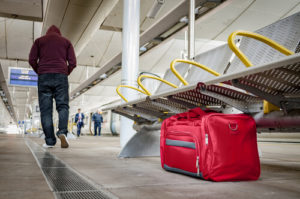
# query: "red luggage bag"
211 146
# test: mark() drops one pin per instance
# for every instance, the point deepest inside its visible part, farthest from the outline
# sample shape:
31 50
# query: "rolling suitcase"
210 145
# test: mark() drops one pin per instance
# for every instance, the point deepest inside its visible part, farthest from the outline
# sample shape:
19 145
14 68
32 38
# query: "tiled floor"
96 159
20 176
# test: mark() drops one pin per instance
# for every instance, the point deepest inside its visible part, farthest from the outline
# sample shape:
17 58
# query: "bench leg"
146 142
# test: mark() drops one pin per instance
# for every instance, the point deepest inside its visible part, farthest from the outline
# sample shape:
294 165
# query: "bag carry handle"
193 113
197 111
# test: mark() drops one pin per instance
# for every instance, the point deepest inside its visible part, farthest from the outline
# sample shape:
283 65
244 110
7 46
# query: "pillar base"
146 142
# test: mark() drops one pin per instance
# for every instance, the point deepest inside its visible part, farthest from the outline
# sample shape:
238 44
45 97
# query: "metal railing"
266 40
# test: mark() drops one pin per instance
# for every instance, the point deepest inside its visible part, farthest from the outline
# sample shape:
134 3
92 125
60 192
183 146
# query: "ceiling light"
103 76
155 8
200 10
143 49
184 19
96 81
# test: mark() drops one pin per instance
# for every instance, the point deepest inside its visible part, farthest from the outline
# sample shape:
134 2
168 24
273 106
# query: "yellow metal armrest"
268 107
172 66
256 36
139 81
131 87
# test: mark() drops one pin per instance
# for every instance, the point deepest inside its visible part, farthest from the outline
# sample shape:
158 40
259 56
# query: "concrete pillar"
130 60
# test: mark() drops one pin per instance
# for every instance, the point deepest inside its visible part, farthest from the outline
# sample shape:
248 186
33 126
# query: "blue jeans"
97 125
53 86
79 126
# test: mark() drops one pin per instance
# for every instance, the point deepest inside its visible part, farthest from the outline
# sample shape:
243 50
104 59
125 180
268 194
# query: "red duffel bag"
209 145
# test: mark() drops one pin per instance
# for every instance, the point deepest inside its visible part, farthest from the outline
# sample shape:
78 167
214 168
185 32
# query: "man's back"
52 53
52 57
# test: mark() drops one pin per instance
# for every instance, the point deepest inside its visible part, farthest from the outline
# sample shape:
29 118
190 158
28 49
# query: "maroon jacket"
52 53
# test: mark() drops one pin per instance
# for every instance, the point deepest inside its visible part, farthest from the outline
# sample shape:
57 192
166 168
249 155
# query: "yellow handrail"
256 36
172 66
126 86
268 107
153 77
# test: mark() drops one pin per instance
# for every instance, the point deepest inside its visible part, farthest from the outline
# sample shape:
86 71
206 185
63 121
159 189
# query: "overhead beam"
25 10
22 17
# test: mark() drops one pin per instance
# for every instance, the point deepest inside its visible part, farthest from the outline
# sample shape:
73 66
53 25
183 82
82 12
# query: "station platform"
95 161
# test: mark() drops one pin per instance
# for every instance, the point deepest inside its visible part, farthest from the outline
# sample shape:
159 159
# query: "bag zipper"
197 166
196 143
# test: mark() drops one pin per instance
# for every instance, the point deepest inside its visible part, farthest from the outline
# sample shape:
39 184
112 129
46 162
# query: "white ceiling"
242 14
16 37
102 47
15 33
20 9
115 17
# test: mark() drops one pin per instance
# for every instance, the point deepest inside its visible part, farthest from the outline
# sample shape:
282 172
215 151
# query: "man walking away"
98 119
79 120
52 57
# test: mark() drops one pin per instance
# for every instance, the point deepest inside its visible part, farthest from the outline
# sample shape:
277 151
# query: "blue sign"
22 77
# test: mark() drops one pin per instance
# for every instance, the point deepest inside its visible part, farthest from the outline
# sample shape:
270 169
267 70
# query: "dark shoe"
63 141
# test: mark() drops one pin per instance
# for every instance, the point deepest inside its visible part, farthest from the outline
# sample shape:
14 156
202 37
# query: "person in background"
52 57
79 117
97 119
